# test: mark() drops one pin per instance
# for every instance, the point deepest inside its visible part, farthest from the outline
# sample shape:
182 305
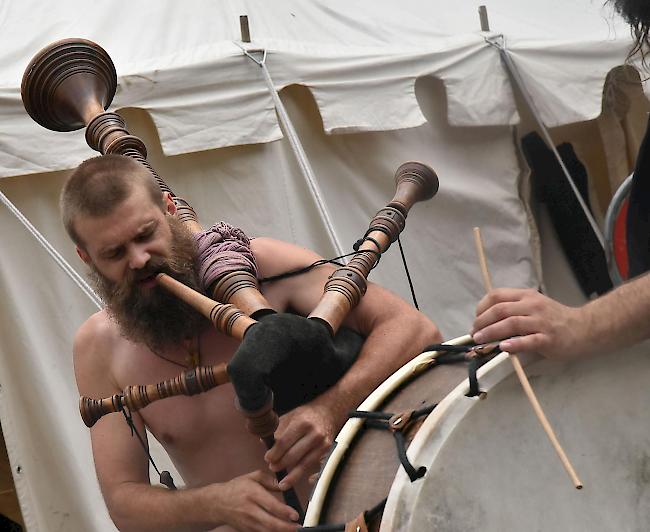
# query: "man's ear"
83 255
170 206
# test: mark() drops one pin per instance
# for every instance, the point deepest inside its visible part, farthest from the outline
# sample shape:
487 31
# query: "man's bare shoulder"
95 341
300 293
277 256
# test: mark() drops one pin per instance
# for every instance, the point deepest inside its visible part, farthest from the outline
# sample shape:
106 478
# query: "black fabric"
580 244
638 212
293 356
8 525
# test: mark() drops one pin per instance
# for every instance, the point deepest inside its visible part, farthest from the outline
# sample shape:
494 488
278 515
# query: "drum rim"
350 429
443 420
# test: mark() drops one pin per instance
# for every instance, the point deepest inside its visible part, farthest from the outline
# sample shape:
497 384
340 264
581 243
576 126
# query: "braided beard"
155 317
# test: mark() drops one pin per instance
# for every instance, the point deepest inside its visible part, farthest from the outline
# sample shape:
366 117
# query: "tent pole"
518 81
296 146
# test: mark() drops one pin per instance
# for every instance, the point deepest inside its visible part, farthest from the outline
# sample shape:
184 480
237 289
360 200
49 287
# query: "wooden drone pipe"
346 286
225 317
68 85
193 381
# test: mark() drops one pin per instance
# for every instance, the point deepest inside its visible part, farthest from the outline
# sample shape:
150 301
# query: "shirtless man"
125 231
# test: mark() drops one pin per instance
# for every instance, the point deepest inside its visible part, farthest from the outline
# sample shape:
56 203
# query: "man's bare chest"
187 426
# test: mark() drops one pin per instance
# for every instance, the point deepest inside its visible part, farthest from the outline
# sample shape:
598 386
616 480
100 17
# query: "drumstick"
523 379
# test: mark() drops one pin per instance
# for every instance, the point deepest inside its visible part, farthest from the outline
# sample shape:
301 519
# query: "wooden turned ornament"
93 409
262 422
346 286
68 83
242 290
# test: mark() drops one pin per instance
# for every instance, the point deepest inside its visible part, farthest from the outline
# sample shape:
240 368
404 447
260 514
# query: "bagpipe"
70 85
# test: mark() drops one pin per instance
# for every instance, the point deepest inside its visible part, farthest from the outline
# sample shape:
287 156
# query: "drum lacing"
475 355
397 424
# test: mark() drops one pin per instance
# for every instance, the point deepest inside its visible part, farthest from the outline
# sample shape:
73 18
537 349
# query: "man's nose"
138 258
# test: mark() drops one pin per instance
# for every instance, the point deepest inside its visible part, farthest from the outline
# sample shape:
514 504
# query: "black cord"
408 275
165 477
304 269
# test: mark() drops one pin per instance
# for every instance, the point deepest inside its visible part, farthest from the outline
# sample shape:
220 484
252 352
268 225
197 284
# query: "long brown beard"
155 317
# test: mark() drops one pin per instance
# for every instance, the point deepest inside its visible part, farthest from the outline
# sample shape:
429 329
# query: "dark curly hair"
637 14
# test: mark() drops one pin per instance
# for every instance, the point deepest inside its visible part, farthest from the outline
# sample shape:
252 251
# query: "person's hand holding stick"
523 379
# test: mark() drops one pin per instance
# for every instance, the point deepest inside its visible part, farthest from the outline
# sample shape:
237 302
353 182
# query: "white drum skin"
492 468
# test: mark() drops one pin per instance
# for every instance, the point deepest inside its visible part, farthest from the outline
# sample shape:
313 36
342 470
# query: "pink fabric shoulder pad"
223 249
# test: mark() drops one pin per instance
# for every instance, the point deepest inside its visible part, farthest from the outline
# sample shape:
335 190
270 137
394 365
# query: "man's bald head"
99 184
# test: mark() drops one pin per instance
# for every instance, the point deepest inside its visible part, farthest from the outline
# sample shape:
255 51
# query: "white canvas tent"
367 86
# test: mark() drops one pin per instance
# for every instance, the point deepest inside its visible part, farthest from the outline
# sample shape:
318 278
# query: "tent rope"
58 258
499 43
296 145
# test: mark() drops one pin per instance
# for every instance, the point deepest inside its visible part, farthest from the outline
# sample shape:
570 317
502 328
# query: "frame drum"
362 465
490 466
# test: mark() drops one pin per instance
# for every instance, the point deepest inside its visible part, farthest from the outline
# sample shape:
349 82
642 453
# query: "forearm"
619 318
388 347
141 507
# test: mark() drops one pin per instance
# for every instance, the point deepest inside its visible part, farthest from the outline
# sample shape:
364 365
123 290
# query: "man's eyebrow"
146 226
108 250
151 224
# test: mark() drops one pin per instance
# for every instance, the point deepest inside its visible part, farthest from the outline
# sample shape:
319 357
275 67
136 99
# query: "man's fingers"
278 509
500 295
283 442
297 472
295 453
275 513
267 480
512 326
484 328
263 520
254 508
532 343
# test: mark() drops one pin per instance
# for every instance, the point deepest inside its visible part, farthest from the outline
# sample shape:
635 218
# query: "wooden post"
244 29
485 23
